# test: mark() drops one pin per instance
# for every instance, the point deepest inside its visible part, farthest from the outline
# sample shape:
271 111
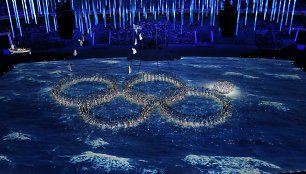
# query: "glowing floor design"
86 103
43 129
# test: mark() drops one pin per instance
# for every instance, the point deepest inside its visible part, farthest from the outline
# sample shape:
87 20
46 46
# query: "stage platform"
193 115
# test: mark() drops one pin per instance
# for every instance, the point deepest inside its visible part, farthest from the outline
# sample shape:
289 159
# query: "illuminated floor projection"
194 115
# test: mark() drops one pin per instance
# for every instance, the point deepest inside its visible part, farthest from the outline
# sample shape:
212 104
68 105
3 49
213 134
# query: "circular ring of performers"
186 120
128 121
148 102
58 94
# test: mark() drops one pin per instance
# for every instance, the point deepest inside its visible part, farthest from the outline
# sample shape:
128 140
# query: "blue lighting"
126 11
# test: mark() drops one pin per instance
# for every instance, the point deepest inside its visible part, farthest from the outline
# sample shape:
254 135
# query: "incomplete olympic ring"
147 101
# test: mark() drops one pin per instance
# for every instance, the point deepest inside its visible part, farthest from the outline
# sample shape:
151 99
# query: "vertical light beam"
292 14
283 11
10 18
288 9
17 16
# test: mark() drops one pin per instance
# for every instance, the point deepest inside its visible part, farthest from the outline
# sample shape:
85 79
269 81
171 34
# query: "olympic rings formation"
149 102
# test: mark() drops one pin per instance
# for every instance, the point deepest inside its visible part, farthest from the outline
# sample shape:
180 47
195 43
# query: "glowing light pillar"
158 7
214 12
10 17
246 12
167 10
33 12
238 16
256 12
292 14
261 5
154 12
72 4
95 12
134 10
198 10
104 14
275 10
266 9
211 11
25 11
207 6
123 17
217 7
39 6
281 24
191 11
272 10
182 15
84 15
45 15
202 19
17 16
279 9
173 12
254 3
120 14
52 3
81 25
127 10
100 6
287 15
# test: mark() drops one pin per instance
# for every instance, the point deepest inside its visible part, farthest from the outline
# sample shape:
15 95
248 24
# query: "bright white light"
134 51
135 43
234 94
75 53
224 87
140 37
130 69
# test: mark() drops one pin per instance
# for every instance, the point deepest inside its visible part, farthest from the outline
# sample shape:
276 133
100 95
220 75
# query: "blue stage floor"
92 116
